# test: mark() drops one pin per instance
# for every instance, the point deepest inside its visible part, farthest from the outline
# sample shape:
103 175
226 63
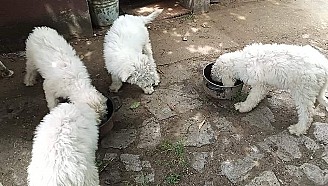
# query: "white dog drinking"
301 69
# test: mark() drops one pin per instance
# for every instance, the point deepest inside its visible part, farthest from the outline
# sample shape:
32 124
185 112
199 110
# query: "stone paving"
267 156
222 146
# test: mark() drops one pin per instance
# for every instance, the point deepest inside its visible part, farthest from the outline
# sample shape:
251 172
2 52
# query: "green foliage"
135 105
176 161
172 179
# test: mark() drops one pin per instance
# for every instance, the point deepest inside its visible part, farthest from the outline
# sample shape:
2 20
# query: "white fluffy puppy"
301 69
64 74
128 53
64 148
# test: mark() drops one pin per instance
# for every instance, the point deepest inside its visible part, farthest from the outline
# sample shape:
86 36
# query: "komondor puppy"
128 53
301 69
64 74
64 148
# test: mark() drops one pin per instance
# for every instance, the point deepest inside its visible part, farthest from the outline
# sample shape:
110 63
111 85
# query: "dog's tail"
152 16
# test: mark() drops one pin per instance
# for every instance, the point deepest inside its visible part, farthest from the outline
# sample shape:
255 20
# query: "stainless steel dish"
113 105
216 89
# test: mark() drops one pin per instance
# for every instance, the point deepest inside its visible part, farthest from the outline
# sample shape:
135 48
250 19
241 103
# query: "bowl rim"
109 119
221 86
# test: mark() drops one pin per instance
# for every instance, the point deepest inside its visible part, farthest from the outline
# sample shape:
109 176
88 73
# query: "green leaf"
135 105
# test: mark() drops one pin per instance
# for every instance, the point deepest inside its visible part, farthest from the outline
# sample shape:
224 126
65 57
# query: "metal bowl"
113 105
216 89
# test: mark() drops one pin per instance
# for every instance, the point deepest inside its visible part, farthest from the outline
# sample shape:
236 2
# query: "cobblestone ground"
179 135
221 146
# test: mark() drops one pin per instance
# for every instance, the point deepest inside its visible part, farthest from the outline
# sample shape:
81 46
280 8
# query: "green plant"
135 105
179 149
176 150
143 179
191 16
172 178
166 146
175 161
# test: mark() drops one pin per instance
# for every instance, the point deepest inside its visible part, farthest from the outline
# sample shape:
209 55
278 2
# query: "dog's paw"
114 88
157 79
148 90
242 107
157 82
29 82
297 129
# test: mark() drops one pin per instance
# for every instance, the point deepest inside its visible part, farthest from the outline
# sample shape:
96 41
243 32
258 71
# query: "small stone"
199 161
158 107
145 178
113 177
131 162
119 139
320 132
266 178
315 174
150 135
309 143
294 171
224 125
238 170
199 137
284 145
184 39
261 118
205 26
110 156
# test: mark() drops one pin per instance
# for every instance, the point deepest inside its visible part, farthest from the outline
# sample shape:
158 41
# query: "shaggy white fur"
64 73
128 53
301 69
64 148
